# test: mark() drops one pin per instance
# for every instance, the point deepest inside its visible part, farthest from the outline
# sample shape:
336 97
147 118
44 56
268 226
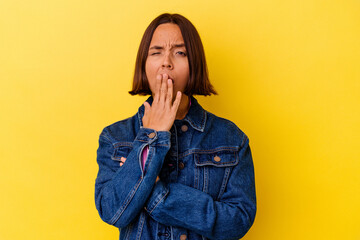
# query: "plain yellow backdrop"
287 73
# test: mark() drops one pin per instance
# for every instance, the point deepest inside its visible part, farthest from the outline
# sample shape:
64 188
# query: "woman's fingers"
169 95
122 161
163 89
157 88
177 101
147 107
161 114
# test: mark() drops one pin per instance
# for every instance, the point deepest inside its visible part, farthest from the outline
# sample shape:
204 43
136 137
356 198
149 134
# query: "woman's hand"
160 116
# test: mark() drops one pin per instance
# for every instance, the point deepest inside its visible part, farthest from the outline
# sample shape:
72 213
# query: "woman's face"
167 54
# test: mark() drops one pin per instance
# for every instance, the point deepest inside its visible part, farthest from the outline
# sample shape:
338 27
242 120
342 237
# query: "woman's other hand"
160 116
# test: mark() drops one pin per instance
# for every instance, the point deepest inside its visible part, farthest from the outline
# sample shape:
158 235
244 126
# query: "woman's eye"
181 53
154 53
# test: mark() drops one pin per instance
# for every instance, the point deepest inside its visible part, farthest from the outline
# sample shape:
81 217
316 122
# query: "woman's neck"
183 107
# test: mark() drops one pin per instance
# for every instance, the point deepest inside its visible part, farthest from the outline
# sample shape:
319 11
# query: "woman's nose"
167 62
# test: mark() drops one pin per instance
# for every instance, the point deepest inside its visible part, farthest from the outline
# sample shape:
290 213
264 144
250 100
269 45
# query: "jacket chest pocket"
121 151
212 171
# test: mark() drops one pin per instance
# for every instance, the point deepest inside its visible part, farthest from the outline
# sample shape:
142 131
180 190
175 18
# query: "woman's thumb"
147 107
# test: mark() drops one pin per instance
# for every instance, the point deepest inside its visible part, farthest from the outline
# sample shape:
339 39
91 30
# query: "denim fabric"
206 188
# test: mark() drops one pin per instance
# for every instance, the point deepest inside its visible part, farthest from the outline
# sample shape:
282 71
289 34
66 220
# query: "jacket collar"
196 115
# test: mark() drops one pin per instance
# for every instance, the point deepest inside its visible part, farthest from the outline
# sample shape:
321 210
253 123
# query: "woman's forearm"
120 193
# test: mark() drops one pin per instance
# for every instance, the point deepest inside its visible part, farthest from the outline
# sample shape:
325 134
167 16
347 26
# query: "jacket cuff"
151 136
158 194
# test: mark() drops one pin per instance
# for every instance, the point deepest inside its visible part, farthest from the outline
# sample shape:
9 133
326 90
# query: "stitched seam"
172 234
114 157
126 203
228 164
206 179
104 135
158 202
122 144
204 120
233 149
196 178
127 235
149 159
194 125
140 227
224 183
160 145
140 120
219 164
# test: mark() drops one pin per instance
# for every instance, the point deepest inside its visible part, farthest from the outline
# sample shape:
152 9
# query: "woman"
174 170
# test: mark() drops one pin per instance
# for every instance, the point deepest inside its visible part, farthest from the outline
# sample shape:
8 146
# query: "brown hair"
199 83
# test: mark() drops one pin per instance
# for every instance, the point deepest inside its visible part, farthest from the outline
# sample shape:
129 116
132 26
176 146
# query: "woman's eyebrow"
172 46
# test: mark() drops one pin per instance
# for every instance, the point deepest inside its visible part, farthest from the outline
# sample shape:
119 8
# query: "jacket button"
184 128
151 135
183 237
181 165
217 159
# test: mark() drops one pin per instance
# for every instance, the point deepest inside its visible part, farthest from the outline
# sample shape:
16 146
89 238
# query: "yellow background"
287 73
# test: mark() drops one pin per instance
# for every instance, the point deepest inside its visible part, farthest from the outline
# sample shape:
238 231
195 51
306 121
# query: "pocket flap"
217 159
121 151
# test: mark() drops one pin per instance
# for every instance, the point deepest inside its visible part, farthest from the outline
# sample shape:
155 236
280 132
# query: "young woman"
174 170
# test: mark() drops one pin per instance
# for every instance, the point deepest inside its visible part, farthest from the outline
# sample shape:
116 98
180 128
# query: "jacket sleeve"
121 192
229 218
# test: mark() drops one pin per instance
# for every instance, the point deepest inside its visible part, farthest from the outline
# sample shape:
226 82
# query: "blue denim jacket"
206 188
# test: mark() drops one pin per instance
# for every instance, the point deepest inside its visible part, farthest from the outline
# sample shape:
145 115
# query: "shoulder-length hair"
198 83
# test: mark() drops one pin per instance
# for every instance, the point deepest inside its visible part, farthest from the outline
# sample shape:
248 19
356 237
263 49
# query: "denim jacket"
206 188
